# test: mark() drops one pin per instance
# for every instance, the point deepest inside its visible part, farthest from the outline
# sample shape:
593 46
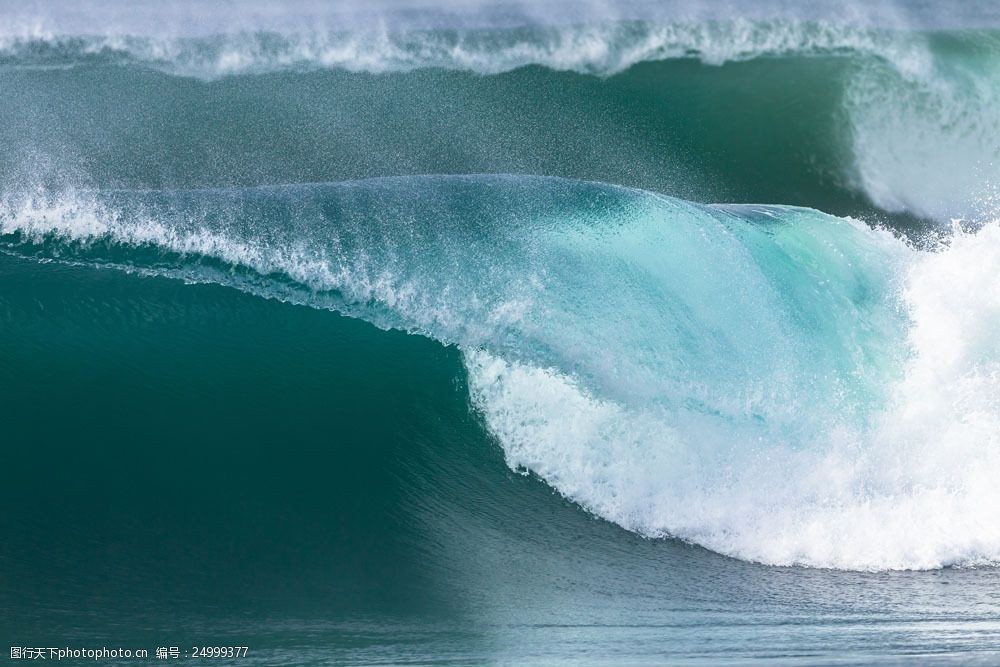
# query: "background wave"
865 120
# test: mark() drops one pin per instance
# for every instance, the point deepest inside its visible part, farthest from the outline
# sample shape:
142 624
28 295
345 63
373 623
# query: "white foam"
913 488
84 220
926 139
599 47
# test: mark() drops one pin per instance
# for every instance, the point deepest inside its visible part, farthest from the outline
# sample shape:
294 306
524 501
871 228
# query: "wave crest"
603 48
770 382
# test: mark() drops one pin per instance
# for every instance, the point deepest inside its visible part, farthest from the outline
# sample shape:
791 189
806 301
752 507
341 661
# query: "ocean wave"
916 111
770 382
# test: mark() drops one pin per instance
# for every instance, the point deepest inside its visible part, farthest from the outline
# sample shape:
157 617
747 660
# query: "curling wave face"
773 383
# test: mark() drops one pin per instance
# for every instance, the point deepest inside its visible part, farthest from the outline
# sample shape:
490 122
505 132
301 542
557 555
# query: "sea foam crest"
603 48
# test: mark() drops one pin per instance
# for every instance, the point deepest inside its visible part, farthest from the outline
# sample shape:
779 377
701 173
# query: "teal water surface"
419 339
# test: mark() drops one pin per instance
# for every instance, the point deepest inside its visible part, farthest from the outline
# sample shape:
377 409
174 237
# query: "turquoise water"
419 340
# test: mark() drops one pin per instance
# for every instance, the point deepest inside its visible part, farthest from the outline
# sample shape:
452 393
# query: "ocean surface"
466 333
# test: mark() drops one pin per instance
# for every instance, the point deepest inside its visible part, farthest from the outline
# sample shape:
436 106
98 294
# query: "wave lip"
772 383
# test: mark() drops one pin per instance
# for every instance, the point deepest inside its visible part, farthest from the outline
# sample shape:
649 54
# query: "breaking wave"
770 382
